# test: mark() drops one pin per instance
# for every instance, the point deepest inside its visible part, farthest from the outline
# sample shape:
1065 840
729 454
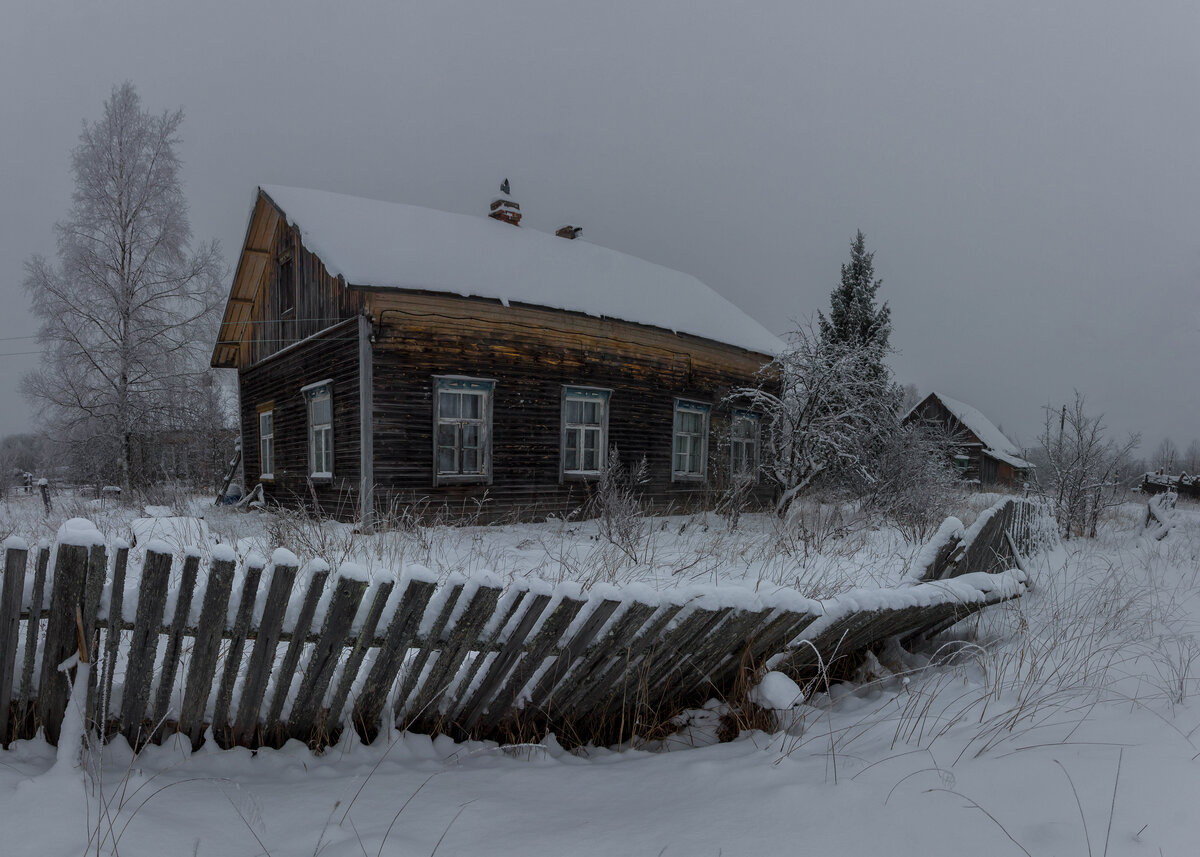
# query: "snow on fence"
261 652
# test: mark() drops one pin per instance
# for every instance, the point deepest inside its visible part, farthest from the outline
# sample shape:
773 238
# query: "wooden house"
982 452
390 354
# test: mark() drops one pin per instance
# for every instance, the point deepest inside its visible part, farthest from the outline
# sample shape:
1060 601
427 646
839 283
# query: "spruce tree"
854 318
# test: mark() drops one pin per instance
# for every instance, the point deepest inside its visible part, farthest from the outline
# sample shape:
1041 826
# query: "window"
320 429
463 430
266 441
287 283
691 440
743 444
584 430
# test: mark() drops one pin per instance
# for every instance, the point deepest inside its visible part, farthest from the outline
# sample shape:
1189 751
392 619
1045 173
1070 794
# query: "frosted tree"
127 310
1079 466
826 412
1191 458
1166 456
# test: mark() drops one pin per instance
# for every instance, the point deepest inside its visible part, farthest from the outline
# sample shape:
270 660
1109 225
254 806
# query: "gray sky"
1027 173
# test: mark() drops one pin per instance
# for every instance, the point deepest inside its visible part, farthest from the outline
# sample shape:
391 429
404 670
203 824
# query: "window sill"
321 477
698 478
266 477
462 479
580 475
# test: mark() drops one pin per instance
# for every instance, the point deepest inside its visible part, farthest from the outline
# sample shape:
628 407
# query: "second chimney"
504 207
569 232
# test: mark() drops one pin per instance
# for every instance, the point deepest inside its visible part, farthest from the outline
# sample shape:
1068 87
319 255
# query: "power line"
20 353
10 338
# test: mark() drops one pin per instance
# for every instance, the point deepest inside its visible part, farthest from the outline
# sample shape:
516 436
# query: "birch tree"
127 309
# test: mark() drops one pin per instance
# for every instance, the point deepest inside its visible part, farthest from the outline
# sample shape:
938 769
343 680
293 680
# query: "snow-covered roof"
994 441
391 245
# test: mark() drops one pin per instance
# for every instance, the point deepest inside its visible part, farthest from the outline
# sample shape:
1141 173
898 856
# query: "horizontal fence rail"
259 652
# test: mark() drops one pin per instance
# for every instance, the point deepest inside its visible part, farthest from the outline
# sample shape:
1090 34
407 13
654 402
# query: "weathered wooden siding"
531 353
257 323
332 355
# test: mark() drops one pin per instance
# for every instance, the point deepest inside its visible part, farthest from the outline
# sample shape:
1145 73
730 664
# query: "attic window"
287 283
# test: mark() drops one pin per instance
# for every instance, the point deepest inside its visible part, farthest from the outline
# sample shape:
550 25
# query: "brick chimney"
569 232
505 208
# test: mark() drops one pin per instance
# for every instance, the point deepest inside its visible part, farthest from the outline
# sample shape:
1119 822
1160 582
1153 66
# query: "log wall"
279 380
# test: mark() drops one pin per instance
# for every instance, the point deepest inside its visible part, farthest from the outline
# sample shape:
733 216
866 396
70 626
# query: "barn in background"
982 452
389 354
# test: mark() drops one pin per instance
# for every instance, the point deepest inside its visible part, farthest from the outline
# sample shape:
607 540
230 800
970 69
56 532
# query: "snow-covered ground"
1064 723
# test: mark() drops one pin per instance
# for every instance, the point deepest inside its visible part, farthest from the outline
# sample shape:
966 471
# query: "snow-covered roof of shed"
995 442
391 245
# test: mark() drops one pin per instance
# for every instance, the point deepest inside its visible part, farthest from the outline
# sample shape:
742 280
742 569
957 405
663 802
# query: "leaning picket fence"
254 653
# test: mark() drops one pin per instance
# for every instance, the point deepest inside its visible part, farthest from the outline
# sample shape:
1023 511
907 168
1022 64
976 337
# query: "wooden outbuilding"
982 454
391 355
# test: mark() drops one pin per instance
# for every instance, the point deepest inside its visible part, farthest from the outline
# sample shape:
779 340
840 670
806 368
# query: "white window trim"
691 406
310 393
486 388
581 393
756 421
266 473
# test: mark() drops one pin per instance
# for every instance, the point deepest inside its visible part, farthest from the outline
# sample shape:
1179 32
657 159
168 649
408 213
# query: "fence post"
67 594
15 557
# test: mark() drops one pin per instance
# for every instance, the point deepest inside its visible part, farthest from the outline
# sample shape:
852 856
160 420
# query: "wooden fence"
263 652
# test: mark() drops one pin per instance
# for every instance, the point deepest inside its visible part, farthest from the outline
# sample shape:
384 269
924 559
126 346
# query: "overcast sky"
1028 174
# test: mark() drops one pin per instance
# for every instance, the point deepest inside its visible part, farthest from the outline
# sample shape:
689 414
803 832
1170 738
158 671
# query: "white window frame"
752 442
266 444
314 393
689 406
485 389
600 396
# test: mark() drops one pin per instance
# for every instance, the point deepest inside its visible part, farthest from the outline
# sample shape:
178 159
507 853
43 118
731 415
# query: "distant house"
983 454
389 354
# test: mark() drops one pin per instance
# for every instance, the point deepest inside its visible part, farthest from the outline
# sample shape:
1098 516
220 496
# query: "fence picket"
368 708
727 643
554 626
222 726
461 639
664 660
93 590
213 612
112 635
291 658
348 593
179 622
366 636
15 558
609 655
70 569
505 658
33 627
262 659
143 643
541 697
449 708
412 672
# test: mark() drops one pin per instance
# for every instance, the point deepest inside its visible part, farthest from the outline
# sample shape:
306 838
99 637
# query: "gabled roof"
391 245
995 443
